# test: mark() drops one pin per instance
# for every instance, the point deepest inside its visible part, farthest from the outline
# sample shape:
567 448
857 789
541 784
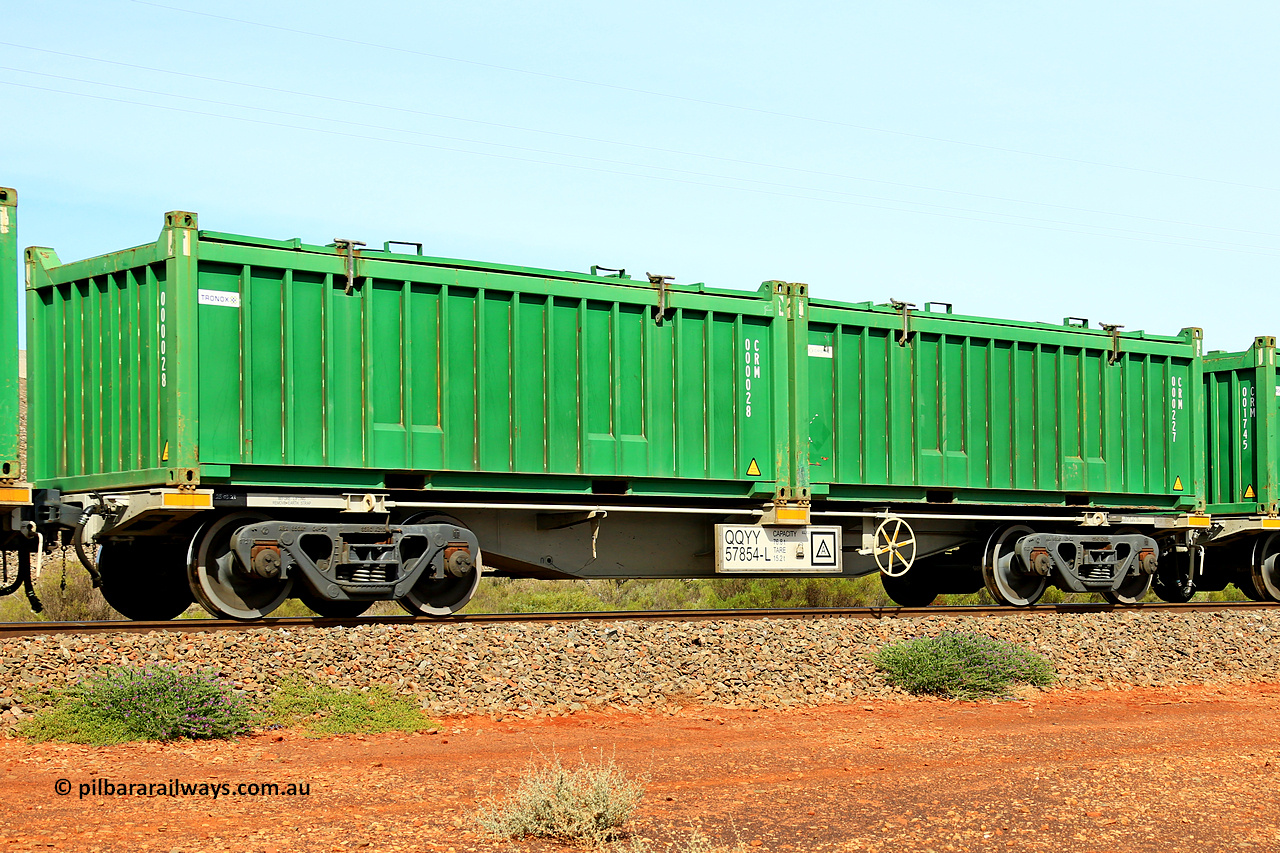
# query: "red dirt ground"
1143 770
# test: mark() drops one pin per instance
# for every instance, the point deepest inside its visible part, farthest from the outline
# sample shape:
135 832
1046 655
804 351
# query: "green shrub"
961 665
156 703
66 591
328 711
588 803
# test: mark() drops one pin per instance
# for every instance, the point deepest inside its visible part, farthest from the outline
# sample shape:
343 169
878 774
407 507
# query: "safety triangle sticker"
753 470
1177 484
1248 492
823 551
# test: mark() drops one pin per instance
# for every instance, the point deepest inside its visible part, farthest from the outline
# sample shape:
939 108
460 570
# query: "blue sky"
1116 161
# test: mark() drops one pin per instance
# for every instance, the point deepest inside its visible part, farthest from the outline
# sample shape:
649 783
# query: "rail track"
33 629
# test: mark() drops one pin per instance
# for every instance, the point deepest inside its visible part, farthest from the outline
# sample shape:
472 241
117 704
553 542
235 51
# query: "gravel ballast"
538 668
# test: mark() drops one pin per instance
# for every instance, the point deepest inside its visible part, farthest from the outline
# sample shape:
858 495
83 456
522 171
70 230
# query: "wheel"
223 586
1244 583
1266 568
329 608
144 579
441 596
1174 581
908 591
1132 590
1006 578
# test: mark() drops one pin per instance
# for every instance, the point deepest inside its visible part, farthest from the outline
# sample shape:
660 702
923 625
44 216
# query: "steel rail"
186 626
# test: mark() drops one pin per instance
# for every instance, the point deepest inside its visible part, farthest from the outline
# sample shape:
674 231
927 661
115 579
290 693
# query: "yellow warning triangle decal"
164 457
1177 484
1248 492
753 470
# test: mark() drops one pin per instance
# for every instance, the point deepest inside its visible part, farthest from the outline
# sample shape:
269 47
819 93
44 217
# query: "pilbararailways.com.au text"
104 787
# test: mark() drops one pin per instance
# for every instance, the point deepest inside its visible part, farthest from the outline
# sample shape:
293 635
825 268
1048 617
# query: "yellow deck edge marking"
194 500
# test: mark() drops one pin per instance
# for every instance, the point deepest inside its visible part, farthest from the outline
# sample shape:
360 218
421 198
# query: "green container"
9 464
209 358
912 405
1241 429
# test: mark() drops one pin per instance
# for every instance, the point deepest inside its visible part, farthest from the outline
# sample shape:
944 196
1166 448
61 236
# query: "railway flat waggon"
235 421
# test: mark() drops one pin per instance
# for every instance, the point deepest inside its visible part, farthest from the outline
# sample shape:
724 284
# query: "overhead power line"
702 101
1102 231
598 140
610 161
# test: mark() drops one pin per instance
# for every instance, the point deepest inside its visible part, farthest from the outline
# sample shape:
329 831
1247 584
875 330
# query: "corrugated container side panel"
265 441
528 379
690 393
722 382
1114 422
494 345
1157 403
1002 464
423 341
443 375
633 440
9 260
564 408
1231 403
757 439
303 412
1023 435
660 405
94 378
388 437
977 445
345 402
221 344
965 410
597 386
1046 411
146 375
1240 414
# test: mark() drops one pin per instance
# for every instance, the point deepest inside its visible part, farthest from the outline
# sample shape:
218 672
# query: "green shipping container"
9 465
1241 435
209 358
912 405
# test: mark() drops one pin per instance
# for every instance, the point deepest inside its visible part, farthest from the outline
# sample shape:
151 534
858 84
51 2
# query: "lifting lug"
1114 330
661 281
904 308
350 253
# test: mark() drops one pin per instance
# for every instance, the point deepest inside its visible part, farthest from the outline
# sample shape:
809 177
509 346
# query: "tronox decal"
224 298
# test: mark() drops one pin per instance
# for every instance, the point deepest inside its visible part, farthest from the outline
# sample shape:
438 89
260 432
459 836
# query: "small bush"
588 803
156 703
328 711
66 591
961 665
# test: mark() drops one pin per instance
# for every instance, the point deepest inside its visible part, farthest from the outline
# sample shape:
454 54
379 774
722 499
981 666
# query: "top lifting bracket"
350 247
904 308
661 281
1114 330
